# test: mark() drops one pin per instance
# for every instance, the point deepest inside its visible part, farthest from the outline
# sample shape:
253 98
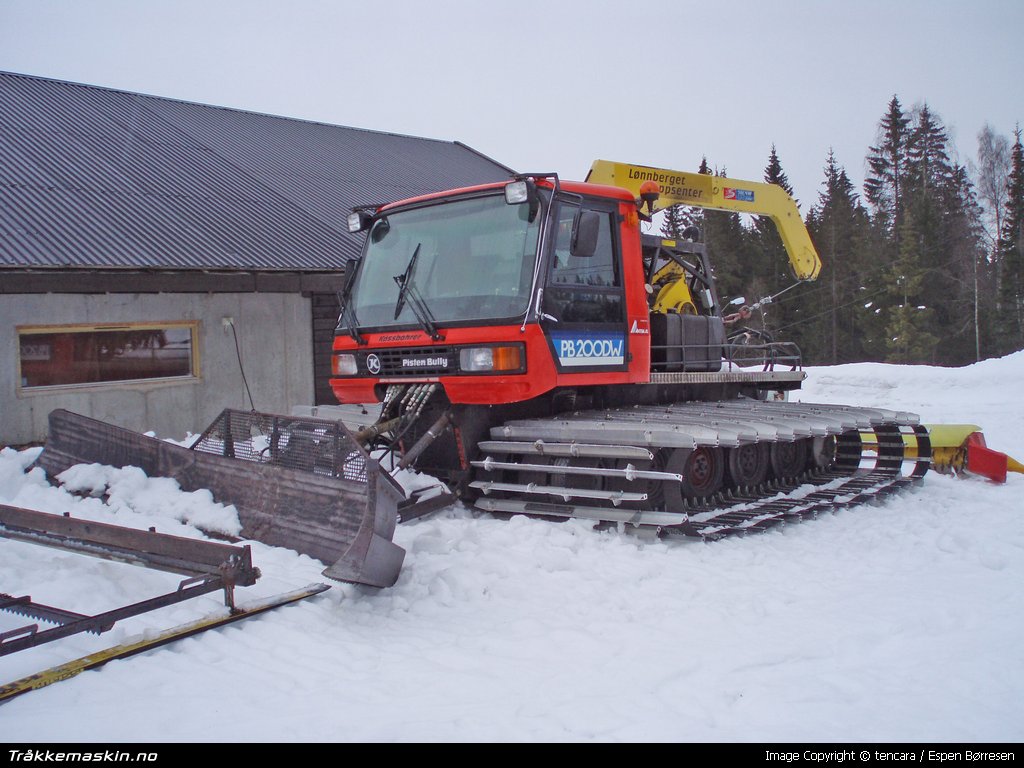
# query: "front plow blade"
299 483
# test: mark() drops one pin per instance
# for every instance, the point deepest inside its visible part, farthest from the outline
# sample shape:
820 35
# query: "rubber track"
739 511
742 516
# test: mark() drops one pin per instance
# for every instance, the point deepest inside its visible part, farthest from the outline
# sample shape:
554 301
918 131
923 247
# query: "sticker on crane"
587 349
743 195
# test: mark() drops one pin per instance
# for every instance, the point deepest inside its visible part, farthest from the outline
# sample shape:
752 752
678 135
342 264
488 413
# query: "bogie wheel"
748 464
572 480
823 452
526 477
788 460
703 470
651 487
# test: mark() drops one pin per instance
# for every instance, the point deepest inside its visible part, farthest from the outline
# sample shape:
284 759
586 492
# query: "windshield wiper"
404 280
423 313
406 289
348 314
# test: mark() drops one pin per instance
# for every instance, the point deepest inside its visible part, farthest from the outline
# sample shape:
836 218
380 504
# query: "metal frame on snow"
209 566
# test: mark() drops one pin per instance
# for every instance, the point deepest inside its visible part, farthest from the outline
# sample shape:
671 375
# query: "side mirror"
585 231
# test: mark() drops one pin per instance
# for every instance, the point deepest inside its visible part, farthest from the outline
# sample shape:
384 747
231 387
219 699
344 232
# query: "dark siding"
325 318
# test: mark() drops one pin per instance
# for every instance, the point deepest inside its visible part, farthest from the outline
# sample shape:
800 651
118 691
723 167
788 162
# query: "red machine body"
540 372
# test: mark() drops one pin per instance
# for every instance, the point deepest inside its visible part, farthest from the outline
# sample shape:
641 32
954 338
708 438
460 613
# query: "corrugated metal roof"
93 177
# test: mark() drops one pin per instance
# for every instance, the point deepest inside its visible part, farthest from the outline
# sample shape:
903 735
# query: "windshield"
466 259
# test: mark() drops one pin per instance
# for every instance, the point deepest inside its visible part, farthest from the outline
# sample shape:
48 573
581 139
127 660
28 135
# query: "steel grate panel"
310 445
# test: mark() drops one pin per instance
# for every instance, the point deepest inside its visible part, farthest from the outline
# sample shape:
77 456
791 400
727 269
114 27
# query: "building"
151 250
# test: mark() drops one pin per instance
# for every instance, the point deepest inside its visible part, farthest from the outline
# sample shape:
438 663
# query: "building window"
59 356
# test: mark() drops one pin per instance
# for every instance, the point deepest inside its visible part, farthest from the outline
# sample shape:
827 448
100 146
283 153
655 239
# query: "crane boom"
724 194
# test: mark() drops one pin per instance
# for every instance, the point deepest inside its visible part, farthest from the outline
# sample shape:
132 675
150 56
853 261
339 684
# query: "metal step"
542 448
615 497
629 472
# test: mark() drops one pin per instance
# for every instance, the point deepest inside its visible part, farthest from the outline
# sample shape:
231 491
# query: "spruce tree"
773 173
695 216
729 248
911 320
968 308
769 270
957 261
839 313
887 163
674 222
929 171
938 246
678 217
1011 255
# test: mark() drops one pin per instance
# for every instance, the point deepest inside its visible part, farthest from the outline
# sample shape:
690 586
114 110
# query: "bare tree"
992 172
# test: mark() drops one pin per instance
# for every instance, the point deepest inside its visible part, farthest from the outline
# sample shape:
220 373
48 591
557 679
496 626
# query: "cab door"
584 302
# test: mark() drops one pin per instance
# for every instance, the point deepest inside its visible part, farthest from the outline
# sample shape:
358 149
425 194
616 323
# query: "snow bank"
987 393
898 621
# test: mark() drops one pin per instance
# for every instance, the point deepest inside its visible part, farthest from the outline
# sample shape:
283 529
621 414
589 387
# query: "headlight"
344 365
358 221
486 359
517 192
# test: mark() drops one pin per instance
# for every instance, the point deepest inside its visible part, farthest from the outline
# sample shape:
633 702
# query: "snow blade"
148 642
299 483
961 448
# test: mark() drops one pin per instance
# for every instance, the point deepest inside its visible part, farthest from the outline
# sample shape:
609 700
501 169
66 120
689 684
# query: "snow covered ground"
897 621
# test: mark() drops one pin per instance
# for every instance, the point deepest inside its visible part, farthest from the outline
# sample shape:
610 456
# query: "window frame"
610 216
195 367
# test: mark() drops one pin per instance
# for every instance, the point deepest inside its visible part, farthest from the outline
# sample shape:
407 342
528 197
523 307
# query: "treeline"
923 266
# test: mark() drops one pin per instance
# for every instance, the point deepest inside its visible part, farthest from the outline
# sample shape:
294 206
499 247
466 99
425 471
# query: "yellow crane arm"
723 194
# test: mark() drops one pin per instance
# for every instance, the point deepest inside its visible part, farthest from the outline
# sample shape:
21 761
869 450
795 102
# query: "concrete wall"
274 334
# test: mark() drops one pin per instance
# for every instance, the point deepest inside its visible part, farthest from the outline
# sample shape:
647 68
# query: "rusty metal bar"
209 566
149 549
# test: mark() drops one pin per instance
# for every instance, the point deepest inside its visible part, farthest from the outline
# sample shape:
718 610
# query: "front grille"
411 361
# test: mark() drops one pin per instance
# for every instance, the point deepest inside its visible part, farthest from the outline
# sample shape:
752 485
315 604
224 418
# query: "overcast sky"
553 85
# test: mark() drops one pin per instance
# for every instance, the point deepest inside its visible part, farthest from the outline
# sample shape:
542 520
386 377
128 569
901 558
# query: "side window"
585 289
597 270
64 356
